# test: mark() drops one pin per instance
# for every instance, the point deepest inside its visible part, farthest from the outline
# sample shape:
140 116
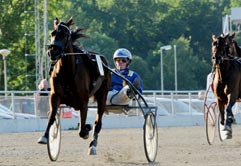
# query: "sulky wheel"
150 137
54 139
210 123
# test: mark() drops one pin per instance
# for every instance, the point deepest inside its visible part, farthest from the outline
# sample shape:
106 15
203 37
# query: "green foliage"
140 26
101 44
141 67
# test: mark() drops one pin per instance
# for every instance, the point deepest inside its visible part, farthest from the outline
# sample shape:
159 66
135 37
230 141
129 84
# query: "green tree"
101 44
12 38
141 67
141 26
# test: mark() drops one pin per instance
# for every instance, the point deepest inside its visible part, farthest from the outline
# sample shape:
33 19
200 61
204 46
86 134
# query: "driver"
119 92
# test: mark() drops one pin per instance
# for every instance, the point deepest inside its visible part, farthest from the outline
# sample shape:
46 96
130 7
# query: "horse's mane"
77 34
238 49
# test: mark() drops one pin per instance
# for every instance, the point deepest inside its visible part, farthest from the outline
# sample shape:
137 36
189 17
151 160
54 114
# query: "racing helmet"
122 53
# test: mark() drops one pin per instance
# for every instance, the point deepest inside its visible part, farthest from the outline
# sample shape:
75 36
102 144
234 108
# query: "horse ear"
226 36
214 37
69 22
232 35
56 22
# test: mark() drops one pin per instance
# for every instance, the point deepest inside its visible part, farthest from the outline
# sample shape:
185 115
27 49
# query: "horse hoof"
42 140
228 128
88 127
229 135
84 135
92 150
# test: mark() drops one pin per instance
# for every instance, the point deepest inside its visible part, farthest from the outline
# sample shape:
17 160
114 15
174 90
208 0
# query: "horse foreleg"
84 128
221 107
44 138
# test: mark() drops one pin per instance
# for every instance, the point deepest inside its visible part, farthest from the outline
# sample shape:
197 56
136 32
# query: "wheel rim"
210 125
150 137
54 140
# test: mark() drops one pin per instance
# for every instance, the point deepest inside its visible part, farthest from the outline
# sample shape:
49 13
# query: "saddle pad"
100 66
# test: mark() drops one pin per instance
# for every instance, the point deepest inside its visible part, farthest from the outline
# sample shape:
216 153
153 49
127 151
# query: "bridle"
57 47
222 54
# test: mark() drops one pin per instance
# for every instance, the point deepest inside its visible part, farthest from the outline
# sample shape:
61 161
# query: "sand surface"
178 146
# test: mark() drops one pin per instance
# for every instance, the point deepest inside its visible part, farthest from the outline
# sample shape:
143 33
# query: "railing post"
190 102
35 104
12 103
154 94
172 104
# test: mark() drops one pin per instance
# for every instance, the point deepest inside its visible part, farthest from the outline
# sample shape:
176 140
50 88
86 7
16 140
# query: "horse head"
60 39
219 49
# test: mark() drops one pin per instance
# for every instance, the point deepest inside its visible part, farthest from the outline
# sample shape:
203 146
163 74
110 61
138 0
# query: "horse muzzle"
54 54
217 60
55 51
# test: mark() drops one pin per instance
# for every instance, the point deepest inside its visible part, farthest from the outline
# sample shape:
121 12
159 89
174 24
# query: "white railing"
177 102
168 102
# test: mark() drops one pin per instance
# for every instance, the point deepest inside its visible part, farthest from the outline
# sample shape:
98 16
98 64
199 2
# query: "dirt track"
178 146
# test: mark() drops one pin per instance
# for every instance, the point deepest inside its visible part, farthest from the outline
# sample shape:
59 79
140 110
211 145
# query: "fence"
29 104
26 111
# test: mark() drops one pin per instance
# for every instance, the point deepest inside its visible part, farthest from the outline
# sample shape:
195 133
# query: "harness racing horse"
227 78
74 78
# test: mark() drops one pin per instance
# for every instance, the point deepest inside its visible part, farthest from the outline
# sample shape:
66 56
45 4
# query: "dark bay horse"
227 78
74 78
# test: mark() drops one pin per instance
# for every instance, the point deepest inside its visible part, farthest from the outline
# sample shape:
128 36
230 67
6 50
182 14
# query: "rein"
238 59
59 53
54 62
59 44
235 58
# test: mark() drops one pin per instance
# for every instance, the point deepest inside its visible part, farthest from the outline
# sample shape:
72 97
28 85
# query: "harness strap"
99 63
239 60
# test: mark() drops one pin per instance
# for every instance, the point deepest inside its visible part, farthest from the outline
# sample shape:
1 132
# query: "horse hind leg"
101 101
229 118
93 143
